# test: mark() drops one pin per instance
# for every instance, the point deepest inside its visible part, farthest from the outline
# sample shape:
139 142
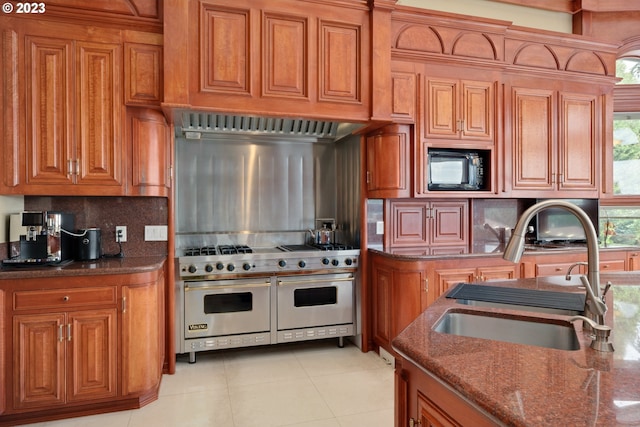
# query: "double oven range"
236 296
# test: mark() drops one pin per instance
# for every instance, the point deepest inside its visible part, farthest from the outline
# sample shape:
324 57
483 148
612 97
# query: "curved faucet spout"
515 247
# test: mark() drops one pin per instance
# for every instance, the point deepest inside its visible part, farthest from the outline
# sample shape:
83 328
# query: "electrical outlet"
155 233
121 233
379 227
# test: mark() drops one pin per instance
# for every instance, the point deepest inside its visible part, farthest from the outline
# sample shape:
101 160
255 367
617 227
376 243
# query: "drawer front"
559 269
64 298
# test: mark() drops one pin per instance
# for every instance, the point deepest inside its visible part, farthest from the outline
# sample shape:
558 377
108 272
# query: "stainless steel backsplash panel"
251 185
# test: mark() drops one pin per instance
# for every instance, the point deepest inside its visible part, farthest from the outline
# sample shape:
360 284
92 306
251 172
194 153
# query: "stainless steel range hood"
196 125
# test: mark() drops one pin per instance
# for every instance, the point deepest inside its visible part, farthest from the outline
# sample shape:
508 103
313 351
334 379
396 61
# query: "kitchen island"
456 380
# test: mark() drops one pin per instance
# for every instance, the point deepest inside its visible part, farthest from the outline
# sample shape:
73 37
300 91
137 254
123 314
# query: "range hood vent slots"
194 124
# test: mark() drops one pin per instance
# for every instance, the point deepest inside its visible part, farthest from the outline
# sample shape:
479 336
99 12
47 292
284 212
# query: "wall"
519 15
107 212
8 205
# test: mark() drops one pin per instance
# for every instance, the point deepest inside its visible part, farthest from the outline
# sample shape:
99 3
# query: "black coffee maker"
45 239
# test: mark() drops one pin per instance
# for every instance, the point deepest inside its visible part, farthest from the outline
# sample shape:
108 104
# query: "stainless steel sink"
561 336
533 309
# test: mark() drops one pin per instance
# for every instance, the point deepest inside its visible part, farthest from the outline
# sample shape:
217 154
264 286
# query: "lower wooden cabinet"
64 357
80 345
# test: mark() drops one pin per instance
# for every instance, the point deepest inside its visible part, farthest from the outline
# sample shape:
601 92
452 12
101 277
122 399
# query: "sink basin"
489 304
561 336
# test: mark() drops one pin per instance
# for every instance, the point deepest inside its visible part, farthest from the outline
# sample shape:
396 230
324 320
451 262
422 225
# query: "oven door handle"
213 288
306 282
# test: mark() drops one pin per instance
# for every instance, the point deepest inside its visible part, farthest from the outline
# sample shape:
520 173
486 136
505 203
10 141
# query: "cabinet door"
432 416
388 162
49 110
381 280
142 335
441 114
498 272
446 278
99 114
633 261
403 95
409 297
142 74
92 354
409 225
477 110
39 343
578 142
150 152
534 141
449 223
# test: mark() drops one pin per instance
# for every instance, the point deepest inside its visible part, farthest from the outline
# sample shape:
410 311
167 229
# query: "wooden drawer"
559 269
613 265
64 298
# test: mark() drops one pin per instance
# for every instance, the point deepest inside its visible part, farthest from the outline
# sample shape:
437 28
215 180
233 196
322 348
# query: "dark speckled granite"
533 386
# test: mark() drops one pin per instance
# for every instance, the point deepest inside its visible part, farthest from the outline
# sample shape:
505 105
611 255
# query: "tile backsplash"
108 212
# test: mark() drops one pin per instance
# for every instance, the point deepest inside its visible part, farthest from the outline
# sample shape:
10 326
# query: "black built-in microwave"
456 170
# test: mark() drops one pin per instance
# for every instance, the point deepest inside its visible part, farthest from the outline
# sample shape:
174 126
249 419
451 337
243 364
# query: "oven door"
315 300
226 307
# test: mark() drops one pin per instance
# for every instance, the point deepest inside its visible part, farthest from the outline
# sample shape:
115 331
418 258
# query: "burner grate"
206 250
234 249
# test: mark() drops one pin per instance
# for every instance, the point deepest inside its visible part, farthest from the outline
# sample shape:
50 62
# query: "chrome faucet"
594 307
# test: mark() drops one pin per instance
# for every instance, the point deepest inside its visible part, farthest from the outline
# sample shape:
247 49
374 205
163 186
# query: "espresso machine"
45 239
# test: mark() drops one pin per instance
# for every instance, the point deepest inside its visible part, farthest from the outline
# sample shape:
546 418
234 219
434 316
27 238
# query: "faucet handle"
605 290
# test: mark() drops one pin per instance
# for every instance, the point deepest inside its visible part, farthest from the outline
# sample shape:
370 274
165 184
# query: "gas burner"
234 249
206 250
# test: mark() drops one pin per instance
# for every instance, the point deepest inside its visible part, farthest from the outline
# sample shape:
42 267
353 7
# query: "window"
626 135
619 226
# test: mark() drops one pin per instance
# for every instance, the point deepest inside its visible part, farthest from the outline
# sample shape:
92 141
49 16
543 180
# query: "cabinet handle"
413 423
77 168
60 333
68 331
426 285
69 167
368 177
124 304
66 298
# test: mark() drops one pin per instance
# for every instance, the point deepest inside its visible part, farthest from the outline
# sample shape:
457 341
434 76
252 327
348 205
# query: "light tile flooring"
311 384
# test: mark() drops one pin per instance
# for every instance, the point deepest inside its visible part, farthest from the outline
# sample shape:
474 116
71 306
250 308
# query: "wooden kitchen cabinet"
633 260
143 83
80 345
556 134
270 57
459 109
389 162
400 292
149 146
67 354
437 224
478 270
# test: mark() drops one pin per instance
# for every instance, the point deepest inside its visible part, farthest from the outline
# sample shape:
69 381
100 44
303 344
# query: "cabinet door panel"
150 152
38 360
441 109
451 277
382 300
578 142
93 355
477 110
409 298
99 121
48 108
498 272
143 74
409 225
285 56
339 61
403 95
388 169
225 62
533 139
449 223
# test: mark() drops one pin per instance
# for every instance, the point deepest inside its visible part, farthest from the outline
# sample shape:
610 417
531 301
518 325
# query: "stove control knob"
335 262
219 266
325 261
246 266
302 263
208 268
282 263
231 267
348 261
192 269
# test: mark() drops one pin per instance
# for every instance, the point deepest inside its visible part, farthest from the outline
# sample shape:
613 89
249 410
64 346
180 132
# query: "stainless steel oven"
227 313
315 306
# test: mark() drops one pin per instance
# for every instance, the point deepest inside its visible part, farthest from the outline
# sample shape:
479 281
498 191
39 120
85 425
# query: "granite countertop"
524 385
127 265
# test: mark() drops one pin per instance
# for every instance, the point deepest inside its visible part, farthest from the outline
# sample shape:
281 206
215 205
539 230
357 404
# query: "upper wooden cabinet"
281 57
389 162
143 83
459 110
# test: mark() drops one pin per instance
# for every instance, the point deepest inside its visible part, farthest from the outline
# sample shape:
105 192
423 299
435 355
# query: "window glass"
626 153
619 226
628 69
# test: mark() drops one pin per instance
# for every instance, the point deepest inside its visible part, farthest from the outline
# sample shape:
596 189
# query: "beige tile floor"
312 384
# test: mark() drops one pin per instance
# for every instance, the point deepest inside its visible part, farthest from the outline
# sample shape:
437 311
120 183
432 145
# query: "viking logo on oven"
198 327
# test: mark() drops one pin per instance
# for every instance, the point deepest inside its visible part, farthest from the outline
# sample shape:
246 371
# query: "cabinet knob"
65 298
